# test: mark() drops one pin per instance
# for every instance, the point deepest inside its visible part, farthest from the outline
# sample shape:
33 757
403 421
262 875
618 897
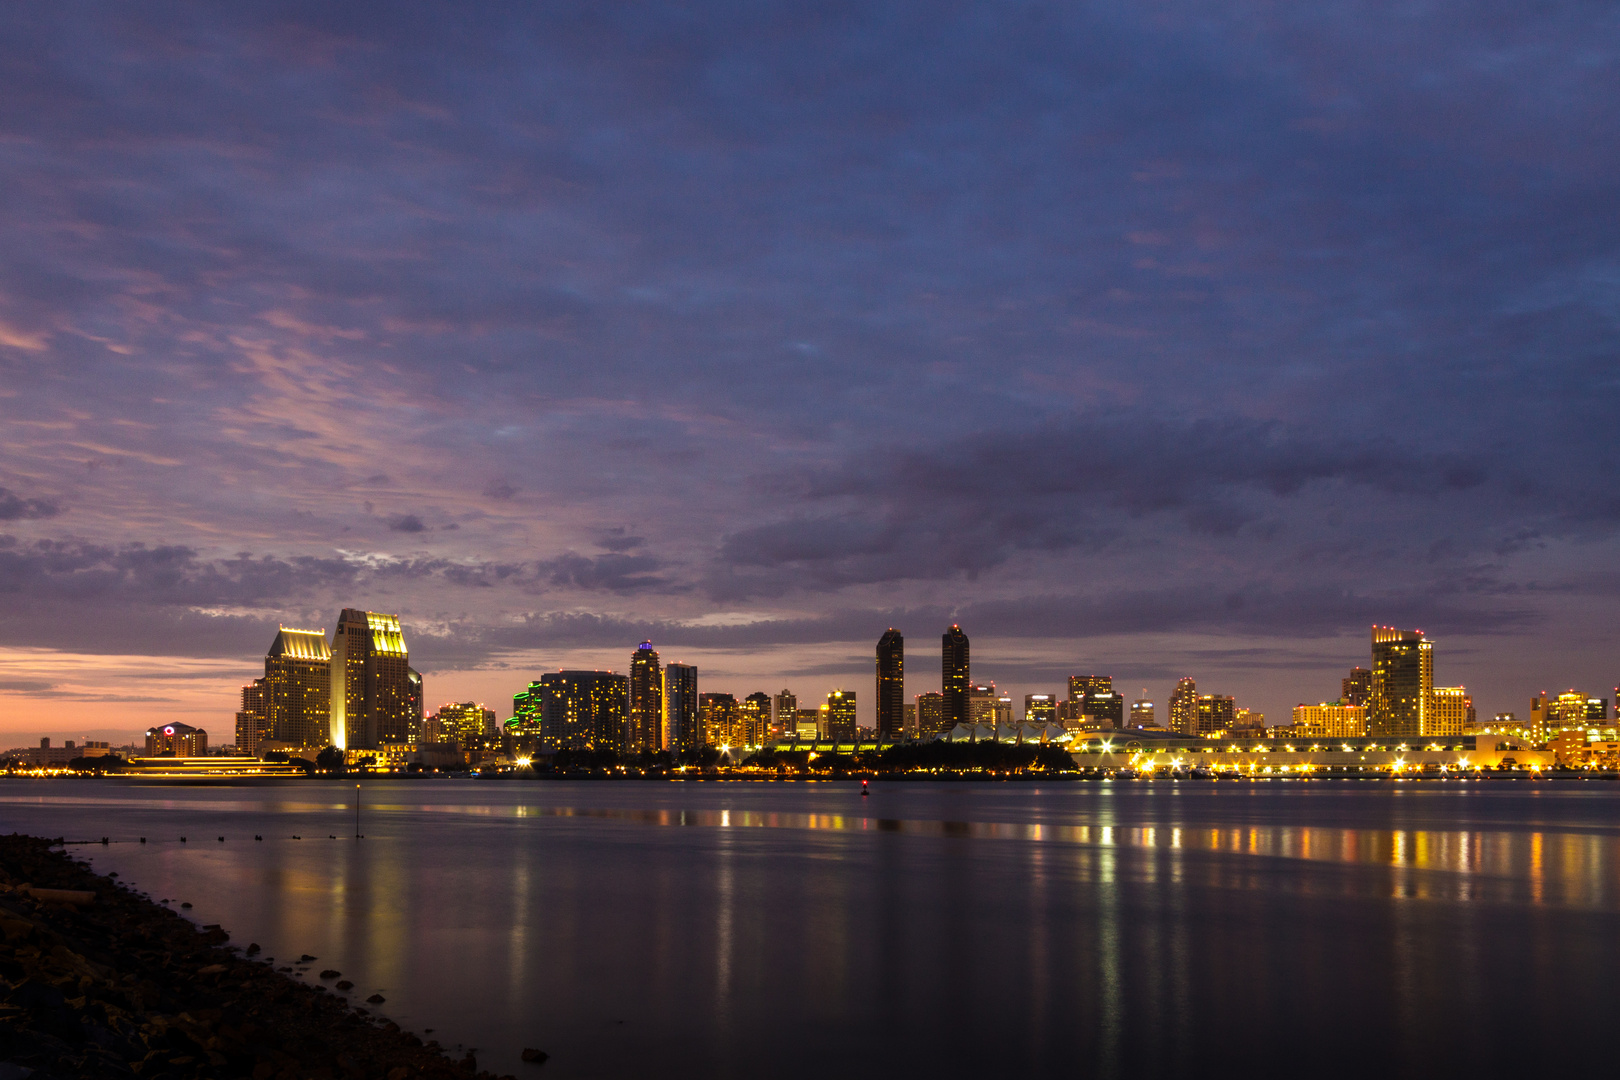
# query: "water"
730 930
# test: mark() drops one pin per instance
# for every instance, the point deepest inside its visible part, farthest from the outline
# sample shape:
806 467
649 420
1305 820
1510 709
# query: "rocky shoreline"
98 981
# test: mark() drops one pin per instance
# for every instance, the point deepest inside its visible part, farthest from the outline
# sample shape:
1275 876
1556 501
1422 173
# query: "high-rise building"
1540 719
464 723
1094 696
786 719
1402 683
374 700
1356 688
584 710
1329 720
955 676
298 688
252 723
527 705
682 732
807 723
1216 712
891 686
1040 708
910 719
840 712
932 717
1451 712
720 719
1142 714
1184 707
756 719
982 703
1597 708
1567 711
646 726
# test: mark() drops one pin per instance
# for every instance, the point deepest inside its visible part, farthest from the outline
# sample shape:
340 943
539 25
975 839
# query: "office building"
891 686
1184 707
465 723
173 740
932 716
840 716
584 710
807 723
1216 713
1094 696
1567 711
1040 708
1329 720
252 723
1356 688
375 696
1402 683
682 732
720 719
1250 723
526 711
1451 712
645 730
785 719
910 719
1143 714
756 719
297 689
1597 709
955 676
1540 719
982 703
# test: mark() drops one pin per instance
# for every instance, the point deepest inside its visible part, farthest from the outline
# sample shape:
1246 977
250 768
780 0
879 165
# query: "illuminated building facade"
376 698
297 689
1142 712
175 740
584 710
465 723
1184 707
1040 708
1216 712
891 686
756 718
682 732
526 710
932 716
1402 683
807 723
911 719
1597 708
1329 720
1540 718
982 704
721 719
1567 711
840 716
1094 696
1451 712
646 726
252 725
1356 687
785 718
955 676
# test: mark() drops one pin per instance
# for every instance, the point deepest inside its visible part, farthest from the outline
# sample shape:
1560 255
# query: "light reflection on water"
955 930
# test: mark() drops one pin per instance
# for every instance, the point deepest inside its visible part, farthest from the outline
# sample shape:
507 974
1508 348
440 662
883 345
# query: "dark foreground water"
732 930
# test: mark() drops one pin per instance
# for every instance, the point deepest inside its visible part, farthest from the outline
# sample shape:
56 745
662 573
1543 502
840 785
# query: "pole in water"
357 811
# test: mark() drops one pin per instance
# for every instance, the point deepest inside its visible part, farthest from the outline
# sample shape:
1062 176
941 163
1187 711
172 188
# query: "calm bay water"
1130 929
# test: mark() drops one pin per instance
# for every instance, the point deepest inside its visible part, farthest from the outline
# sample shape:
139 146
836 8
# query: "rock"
375 999
345 985
534 1057
253 948
307 959
330 974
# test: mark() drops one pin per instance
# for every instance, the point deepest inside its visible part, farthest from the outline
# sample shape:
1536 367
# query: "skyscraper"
982 703
251 723
646 701
756 718
681 731
374 700
1356 688
1402 683
719 717
1450 711
840 710
1184 707
584 710
954 676
891 686
1094 696
1216 712
785 721
1142 714
298 688
1040 709
464 723
931 716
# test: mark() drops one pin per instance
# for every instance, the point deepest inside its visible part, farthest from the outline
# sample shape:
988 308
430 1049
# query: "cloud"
406 523
499 489
616 573
14 507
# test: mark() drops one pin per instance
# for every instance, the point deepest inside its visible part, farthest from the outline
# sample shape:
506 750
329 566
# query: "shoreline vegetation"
98 981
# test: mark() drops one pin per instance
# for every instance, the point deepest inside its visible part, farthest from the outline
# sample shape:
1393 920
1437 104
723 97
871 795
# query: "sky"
1151 339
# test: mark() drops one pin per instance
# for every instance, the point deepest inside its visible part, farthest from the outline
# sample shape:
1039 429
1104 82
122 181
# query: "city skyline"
1140 341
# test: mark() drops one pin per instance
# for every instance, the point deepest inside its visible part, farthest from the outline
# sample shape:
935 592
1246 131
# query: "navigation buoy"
863 789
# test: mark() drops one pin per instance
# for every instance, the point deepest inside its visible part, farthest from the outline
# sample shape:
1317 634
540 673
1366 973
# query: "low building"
176 740
1328 720
1283 756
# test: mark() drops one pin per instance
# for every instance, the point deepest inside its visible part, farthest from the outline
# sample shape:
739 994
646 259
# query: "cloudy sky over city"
1148 338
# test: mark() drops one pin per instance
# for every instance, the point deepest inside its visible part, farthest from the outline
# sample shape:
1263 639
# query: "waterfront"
954 929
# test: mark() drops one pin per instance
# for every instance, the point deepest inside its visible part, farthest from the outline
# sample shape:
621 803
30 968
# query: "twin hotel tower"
359 694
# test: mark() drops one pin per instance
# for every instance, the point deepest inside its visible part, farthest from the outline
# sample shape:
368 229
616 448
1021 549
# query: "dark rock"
535 1057
306 959
345 985
376 999
330 974
253 948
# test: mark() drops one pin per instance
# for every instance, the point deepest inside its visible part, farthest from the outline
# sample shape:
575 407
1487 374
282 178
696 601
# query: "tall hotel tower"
298 688
681 731
954 681
891 686
646 700
1402 683
375 694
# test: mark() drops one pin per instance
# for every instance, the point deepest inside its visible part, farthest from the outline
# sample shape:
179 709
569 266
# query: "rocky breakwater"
97 981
